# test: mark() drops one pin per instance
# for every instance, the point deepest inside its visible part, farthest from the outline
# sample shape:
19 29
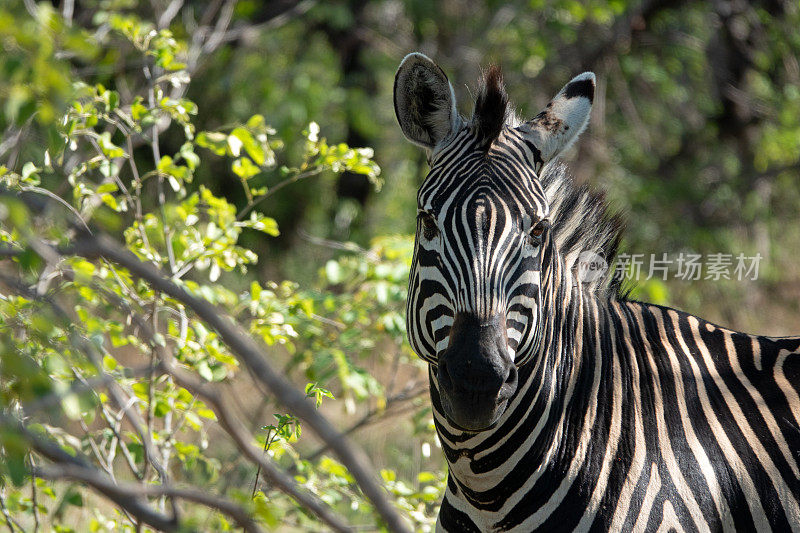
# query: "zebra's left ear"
561 122
424 101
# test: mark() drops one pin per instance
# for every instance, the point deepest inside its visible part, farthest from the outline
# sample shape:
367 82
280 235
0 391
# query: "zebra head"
484 250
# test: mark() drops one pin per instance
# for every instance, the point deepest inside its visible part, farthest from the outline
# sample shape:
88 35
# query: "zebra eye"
537 231
429 228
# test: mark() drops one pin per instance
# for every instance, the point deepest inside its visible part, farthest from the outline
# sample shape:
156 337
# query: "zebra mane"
581 217
582 221
491 105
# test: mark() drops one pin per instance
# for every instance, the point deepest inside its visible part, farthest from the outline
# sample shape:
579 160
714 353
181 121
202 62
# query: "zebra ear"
561 122
424 101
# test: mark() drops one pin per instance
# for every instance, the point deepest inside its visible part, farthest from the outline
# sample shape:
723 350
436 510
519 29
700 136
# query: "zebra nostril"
509 385
511 378
444 376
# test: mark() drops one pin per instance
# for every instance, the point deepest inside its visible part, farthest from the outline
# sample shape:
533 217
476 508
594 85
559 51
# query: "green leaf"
73 497
254 149
141 390
259 222
107 187
111 202
13 461
71 406
29 173
161 408
165 164
234 145
109 363
109 149
255 290
266 511
335 468
188 155
256 122
427 477
205 412
138 111
244 168
212 140
333 272
110 98
205 371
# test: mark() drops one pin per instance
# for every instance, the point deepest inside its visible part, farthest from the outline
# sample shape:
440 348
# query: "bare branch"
224 19
82 386
60 200
34 497
250 354
67 10
115 392
103 485
169 13
32 8
375 415
10 523
243 439
248 32
231 424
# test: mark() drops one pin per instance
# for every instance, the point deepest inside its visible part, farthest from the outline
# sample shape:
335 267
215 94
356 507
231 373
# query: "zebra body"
561 405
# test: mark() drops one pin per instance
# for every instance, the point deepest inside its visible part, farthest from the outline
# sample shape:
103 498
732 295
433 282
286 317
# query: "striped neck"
543 408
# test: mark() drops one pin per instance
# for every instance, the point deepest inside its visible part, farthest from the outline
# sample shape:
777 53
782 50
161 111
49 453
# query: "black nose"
475 373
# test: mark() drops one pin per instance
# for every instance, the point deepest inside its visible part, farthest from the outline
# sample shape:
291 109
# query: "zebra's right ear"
563 120
424 101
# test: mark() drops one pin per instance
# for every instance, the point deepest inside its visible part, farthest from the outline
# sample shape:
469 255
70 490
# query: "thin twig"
115 392
66 11
233 426
375 415
114 425
250 354
276 188
60 200
34 496
125 499
85 385
267 442
105 486
223 21
6 516
169 13
249 31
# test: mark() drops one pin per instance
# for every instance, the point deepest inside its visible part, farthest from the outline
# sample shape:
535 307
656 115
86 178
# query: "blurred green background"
694 138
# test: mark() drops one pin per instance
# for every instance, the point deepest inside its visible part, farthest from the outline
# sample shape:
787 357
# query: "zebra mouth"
475 374
475 416
474 409
475 422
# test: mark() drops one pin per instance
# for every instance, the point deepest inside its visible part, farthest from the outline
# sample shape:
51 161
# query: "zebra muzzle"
475 374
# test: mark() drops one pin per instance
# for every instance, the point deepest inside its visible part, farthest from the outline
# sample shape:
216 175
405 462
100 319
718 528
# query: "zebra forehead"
464 187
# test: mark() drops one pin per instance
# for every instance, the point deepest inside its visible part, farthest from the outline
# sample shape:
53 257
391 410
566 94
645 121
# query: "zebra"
560 403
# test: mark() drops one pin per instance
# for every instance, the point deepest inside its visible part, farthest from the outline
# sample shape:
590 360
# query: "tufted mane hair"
491 105
581 217
582 222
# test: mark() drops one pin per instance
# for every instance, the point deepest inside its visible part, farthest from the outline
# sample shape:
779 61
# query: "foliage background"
695 137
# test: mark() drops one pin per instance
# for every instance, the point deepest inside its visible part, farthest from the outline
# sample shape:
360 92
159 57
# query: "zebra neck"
529 440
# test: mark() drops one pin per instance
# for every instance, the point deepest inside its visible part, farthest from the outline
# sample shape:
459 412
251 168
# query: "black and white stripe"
624 416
